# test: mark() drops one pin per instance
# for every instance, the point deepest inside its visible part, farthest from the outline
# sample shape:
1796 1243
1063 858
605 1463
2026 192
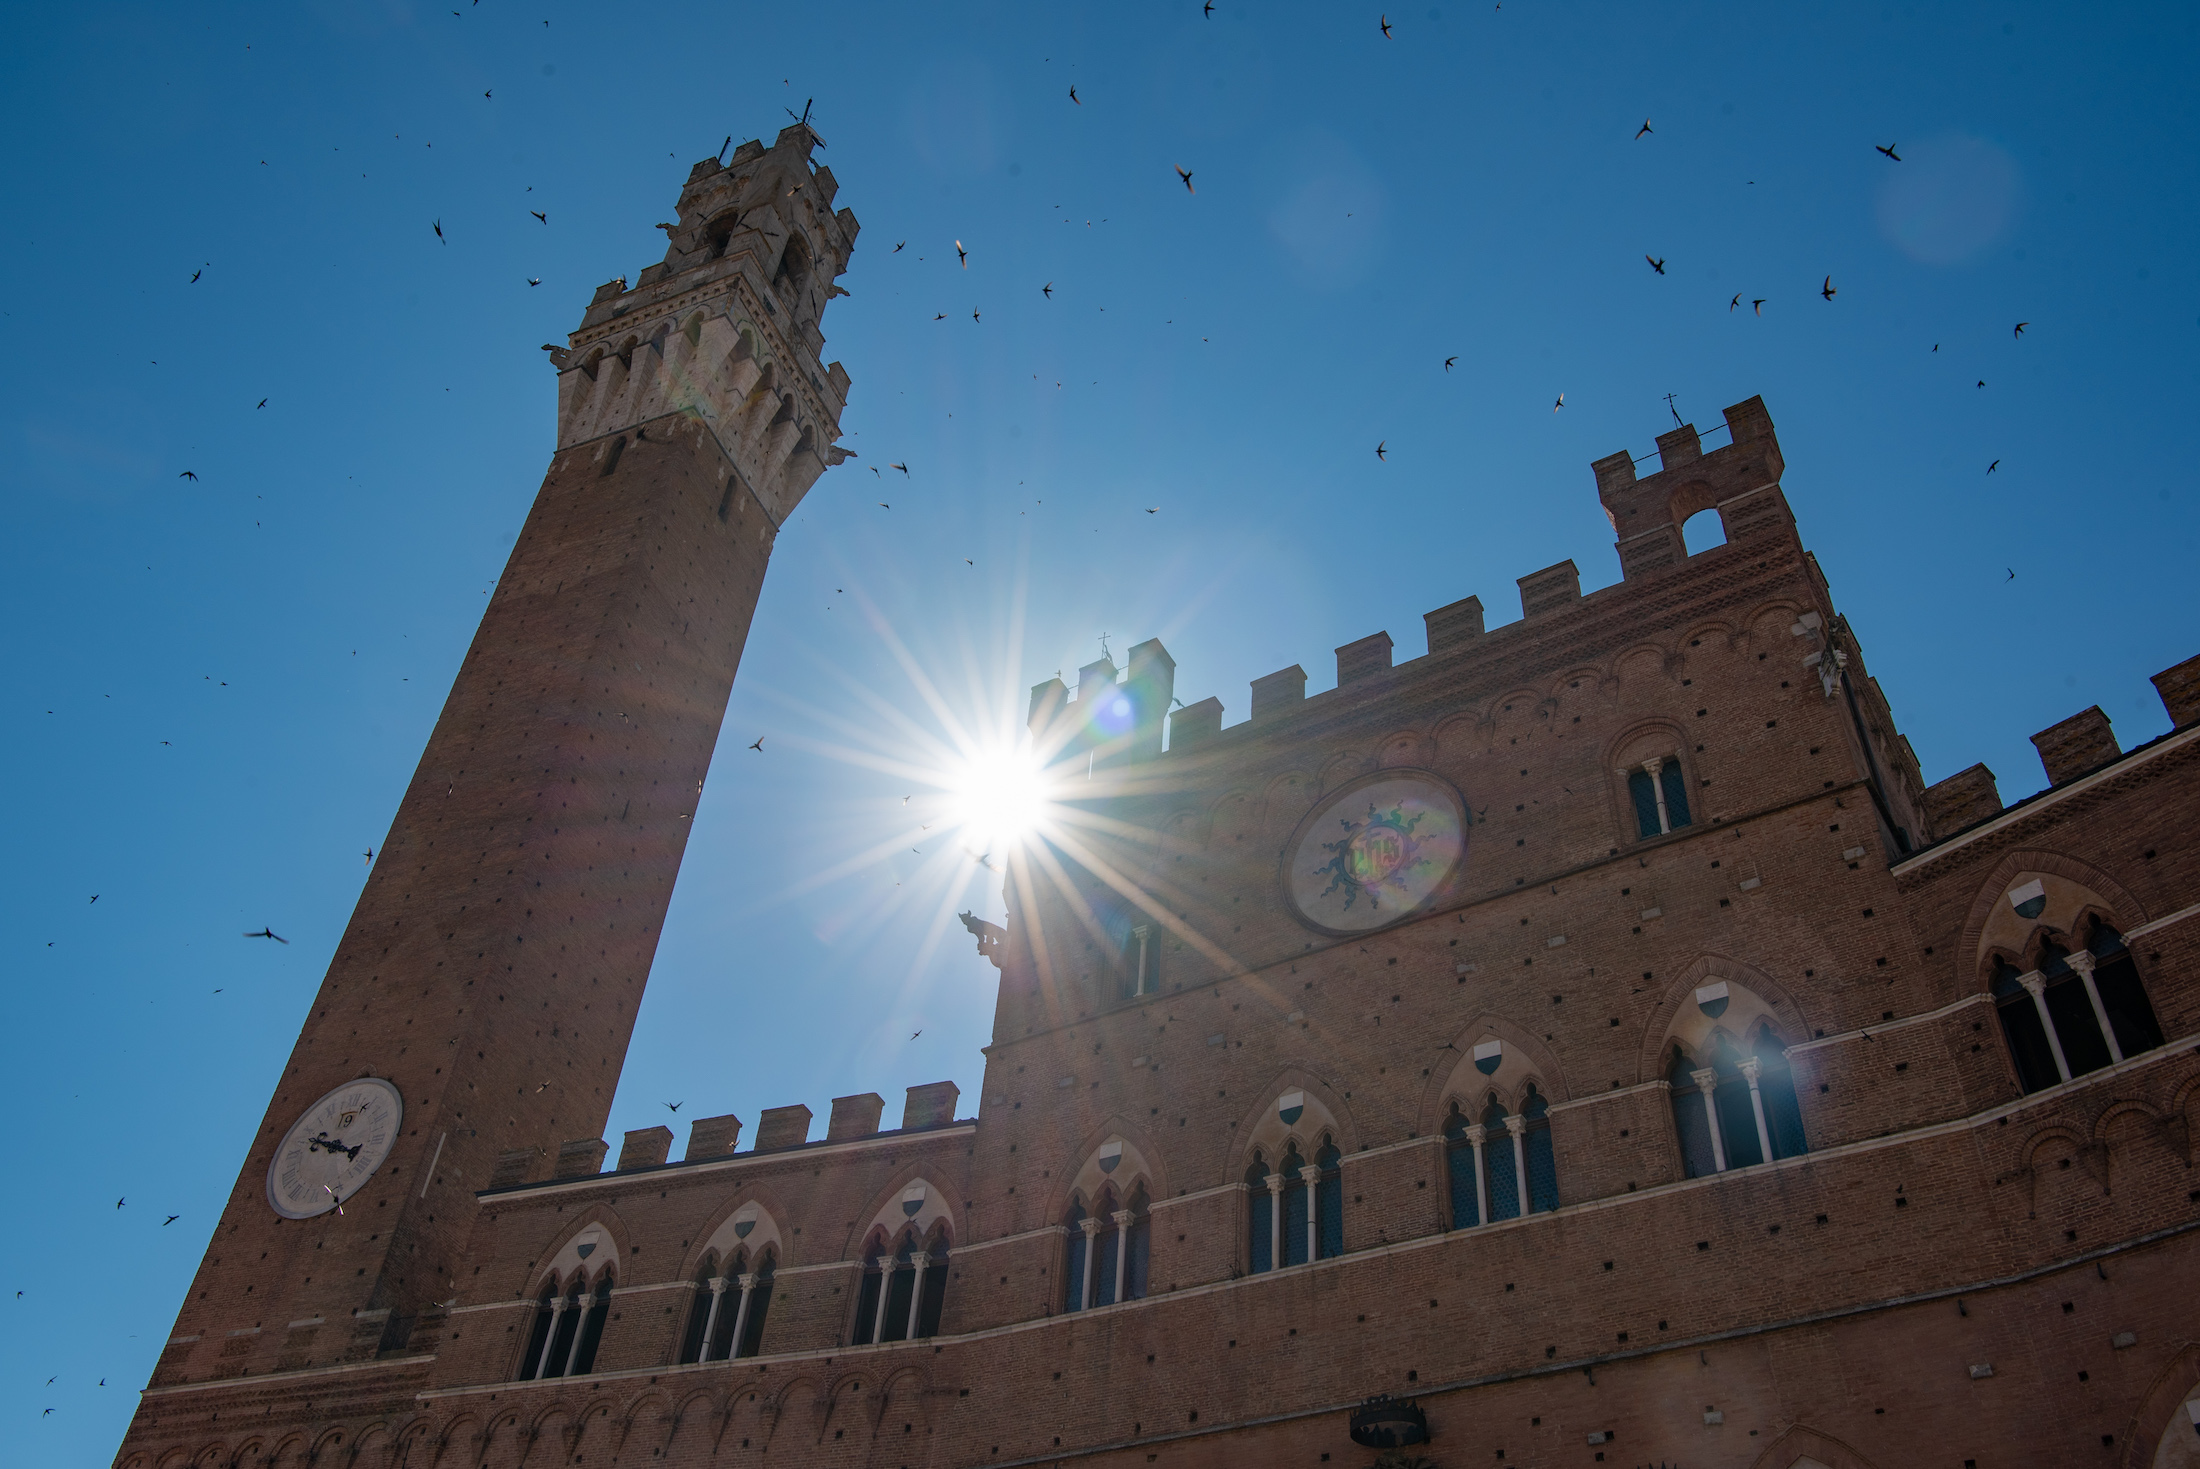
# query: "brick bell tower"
492 969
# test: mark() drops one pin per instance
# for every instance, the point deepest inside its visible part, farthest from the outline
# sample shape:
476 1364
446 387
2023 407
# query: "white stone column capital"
1707 1078
747 1282
718 1284
1751 1068
1477 1134
1275 1182
1311 1174
1123 1218
1517 1125
2080 960
1090 1224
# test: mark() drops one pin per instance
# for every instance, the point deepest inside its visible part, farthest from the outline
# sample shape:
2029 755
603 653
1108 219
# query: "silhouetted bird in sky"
1073 95
758 747
268 933
1448 361
187 474
1994 466
1379 454
539 215
674 1106
1186 175
962 255
170 1220
1656 265
2021 326
1643 129
1386 27
438 227
1827 290
195 276
1047 290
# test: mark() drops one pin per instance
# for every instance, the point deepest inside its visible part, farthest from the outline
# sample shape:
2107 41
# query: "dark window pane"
2071 1009
1461 1159
1329 1205
1504 1181
867 1307
935 1295
1103 1267
569 1322
1646 803
535 1338
1783 1114
1262 1203
1694 1129
2125 1000
760 1302
897 1302
1676 794
2020 1026
1135 1259
592 1327
1738 1124
1294 1223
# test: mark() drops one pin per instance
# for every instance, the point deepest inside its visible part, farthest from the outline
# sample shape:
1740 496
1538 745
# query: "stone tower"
494 963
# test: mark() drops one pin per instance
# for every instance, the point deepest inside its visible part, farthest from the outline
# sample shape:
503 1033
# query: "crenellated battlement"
725 327
1647 513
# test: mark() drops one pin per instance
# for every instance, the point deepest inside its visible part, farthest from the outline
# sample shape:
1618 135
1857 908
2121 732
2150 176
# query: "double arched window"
1109 1248
1658 789
568 1324
2078 1011
1733 1108
1297 1212
1501 1166
731 1299
904 1286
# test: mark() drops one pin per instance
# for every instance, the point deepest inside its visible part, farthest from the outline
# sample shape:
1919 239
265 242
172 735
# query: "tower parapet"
1741 481
726 327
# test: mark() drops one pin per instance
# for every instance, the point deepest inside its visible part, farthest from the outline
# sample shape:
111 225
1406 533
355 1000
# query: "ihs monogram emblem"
1372 855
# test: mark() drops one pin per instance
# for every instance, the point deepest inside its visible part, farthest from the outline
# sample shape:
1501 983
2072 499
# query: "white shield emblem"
2030 899
744 1220
1712 999
912 1199
1111 1153
1290 1107
1488 1056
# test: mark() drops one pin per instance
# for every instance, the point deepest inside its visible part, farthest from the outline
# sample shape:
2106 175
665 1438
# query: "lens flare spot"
999 797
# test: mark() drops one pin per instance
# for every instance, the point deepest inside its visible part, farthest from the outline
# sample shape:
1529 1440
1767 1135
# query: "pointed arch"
1678 1018
1263 1126
1135 1156
1524 1056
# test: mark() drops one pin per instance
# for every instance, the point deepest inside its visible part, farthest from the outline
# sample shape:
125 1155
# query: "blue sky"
220 687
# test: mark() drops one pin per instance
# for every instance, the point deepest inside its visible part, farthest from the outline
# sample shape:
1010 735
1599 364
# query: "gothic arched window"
1776 1090
547 1311
702 1309
900 1300
1080 1250
583 1359
2071 1009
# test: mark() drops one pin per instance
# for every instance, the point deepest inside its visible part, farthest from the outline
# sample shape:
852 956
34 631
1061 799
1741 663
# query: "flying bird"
539 215
2021 326
962 255
1047 290
1656 265
941 317
758 747
1379 454
1982 382
1827 290
974 314
1073 94
1154 510
1386 27
1758 306
883 505
1561 403
1889 151
95 897
259 405
534 280
170 1220
674 1106
121 1201
1643 129
268 933
1209 11
187 474
1448 361
897 249
369 855
438 227
1185 174
914 1034
1735 302
485 94
1994 466
2012 573
891 464
195 276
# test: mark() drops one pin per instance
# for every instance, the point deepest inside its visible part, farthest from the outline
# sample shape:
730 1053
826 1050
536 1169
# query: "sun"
999 797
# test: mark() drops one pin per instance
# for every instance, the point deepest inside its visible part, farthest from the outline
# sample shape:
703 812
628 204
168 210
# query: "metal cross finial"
1104 646
1674 411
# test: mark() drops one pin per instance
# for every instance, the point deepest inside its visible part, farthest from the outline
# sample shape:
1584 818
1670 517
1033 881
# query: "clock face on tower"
334 1149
